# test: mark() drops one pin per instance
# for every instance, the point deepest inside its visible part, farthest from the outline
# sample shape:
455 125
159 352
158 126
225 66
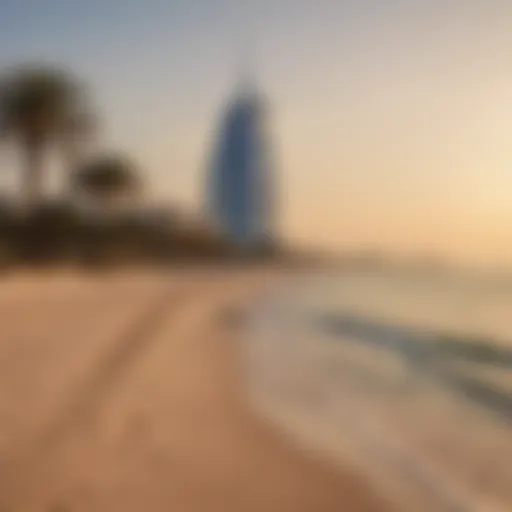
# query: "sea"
402 375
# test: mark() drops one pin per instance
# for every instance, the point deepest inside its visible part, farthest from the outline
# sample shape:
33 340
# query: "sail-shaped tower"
239 185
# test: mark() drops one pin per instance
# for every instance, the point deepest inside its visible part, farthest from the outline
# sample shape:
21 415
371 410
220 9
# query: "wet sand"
126 392
432 433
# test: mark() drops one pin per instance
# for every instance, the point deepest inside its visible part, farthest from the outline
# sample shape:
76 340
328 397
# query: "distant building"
239 192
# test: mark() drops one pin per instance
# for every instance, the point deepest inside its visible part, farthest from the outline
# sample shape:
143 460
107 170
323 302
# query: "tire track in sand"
86 401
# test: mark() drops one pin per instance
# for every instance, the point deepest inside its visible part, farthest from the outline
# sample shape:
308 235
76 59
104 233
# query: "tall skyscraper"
239 188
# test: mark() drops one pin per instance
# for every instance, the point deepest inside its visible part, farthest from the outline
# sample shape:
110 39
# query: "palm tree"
108 178
39 106
105 182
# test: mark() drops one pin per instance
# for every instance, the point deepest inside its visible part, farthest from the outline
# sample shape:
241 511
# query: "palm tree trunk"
72 155
32 176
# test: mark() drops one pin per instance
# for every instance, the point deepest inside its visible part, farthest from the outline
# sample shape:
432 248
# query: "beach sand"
125 392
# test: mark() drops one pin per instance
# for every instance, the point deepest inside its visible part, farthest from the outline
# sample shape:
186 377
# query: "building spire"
246 79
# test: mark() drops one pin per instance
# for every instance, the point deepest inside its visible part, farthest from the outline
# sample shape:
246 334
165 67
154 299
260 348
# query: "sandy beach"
124 392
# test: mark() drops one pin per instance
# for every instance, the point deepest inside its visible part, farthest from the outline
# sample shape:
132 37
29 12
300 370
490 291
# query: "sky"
391 120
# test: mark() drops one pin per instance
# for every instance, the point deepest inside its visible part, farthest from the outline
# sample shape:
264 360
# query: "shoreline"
162 425
367 404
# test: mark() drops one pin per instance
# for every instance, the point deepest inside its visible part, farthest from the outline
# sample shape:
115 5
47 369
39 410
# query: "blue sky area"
391 120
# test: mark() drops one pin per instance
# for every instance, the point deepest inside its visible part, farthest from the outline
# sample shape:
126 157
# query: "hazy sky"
392 120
